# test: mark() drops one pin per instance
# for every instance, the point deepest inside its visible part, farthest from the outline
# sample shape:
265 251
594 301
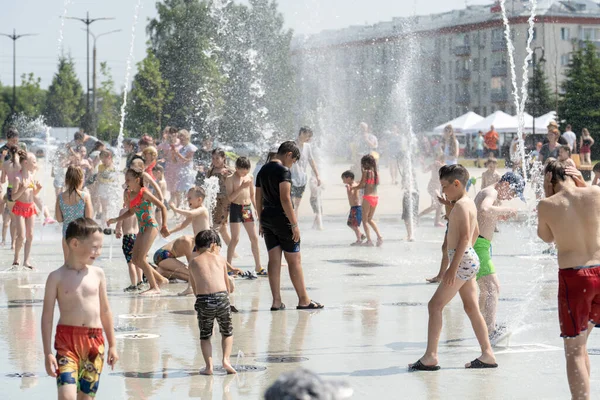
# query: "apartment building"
458 60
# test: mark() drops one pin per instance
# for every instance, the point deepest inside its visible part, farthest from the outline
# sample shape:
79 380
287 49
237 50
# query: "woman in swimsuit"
369 182
585 147
73 203
221 210
140 204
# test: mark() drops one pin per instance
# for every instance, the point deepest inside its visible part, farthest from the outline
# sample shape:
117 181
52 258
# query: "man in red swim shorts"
570 204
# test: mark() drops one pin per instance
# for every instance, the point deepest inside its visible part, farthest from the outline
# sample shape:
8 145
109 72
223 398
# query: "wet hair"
566 148
198 192
172 130
289 147
136 157
242 163
305 129
98 146
144 142
218 151
81 229
106 153
456 172
12 132
596 167
73 178
158 168
137 174
348 174
491 161
17 153
205 238
305 384
78 136
557 169
369 162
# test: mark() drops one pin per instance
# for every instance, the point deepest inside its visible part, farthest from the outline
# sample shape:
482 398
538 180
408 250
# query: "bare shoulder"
56 275
99 272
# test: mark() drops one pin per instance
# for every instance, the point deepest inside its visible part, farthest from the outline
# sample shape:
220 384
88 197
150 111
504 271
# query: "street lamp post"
94 97
534 70
14 38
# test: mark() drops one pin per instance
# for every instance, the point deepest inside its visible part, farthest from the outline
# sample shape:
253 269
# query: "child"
140 204
459 278
11 169
80 290
208 277
127 229
410 206
159 177
25 189
564 155
150 156
433 189
149 182
369 182
240 194
106 179
490 176
596 171
73 203
355 216
315 201
166 259
221 211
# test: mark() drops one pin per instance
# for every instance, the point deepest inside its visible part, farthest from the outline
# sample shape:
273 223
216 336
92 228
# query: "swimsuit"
143 211
355 216
209 307
80 356
128 242
26 210
483 248
240 213
578 299
586 146
373 198
70 212
8 198
161 255
469 264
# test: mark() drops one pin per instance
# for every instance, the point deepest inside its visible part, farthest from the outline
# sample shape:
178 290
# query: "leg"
274 269
28 240
20 237
5 223
207 354
224 234
173 268
468 294
489 288
132 273
13 230
233 242
294 261
296 201
356 231
578 361
366 207
140 251
67 392
251 230
409 236
227 344
373 224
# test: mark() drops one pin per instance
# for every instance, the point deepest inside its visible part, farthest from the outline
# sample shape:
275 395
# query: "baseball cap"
515 182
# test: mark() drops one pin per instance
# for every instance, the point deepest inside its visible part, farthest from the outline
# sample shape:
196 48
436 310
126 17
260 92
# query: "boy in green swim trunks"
509 186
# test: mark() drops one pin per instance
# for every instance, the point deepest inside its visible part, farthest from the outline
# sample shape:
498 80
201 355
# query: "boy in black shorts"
279 225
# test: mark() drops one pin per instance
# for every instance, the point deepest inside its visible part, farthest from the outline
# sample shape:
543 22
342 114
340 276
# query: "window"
457 111
565 59
485 87
497 35
588 34
484 64
484 39
457 65
476 110
565 33
476 64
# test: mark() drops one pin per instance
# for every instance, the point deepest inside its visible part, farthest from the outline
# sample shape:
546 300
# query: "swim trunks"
277 231
209 307
161 255
469 264
578 299
483 248
298 191
80 356
240 213
355 216
128 242
26 210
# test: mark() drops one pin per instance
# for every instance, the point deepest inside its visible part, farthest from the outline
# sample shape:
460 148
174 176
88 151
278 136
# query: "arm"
164 230
232 194
155 186
119 227
544 232
258 202
592 141
47 320
57 210
192 282
182 225
362 183
487 206
595 180
89 208
187 213
313 165
121 217
107 322
285 196
252 194
226 277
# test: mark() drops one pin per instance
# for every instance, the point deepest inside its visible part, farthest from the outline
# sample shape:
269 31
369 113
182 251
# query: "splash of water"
62 26
211 188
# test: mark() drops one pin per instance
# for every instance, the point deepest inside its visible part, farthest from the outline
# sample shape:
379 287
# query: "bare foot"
163 281
368 243
186 292
206 371
150 292
435 279
227 367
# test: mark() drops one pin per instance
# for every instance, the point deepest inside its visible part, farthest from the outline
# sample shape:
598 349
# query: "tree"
107 112
65 104
579 106
149 94
539 95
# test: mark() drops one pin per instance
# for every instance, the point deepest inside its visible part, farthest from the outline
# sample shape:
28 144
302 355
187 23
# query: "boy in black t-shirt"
279 225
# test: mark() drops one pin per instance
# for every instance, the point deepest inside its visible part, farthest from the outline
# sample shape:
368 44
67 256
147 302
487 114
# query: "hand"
112 358
38 186
576 175
110 222
172 205
296 234
318 181
443 200
260 230
164 231
51 365
246 183
118 234
449 277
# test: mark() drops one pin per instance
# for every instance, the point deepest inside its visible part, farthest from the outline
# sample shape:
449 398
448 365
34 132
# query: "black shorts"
298 191
240 213
210 307
277 231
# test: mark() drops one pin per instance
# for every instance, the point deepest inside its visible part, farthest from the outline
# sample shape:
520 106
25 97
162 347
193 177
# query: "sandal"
313 305
131 288
419 366
478 364
379 242
281 308
233 309
262 272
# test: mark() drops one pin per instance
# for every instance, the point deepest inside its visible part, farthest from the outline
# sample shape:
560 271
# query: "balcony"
499 96
499 70
463 74
462 51
463 98
498 45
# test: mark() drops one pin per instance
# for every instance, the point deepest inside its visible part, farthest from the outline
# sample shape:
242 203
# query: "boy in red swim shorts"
570 217
80 290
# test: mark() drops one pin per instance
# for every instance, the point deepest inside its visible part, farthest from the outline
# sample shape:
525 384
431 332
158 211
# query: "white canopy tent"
502 122
461 123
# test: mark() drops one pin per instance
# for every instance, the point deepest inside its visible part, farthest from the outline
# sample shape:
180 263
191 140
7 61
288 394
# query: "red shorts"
26 210
578 299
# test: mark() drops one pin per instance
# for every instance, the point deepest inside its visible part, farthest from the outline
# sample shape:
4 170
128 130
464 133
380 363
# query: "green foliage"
539 95
108 104
579 106
148 97
31 98
65 105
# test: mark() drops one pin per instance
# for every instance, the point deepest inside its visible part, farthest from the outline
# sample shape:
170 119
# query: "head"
207 240
148 139
585 132
368 162
99 146
173 135
364 128
78 137
552 125
12 136
143 144
84 239
596 168
448 131
106 156
510 186
195 197
30 163
538 146
134 179
184 136
242 166
82 151
165 132
453 179
150 154
491 164
74 178
480 133
569 127
159 172
564 153
207 143
348 177
305 134
218 158
288 153
128 146
137 162
492 128
304 384
553 135
555 174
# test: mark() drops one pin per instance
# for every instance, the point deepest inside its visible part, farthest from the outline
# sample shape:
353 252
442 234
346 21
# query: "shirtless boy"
128 229
11 169
80 290
464 265
240 193
490 176
570 217
355 216
488 214
166 258
210 283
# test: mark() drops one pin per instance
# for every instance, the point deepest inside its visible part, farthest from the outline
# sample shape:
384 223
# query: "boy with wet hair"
210 284
80 290
564 155
355 216
459 277
490 176
570 217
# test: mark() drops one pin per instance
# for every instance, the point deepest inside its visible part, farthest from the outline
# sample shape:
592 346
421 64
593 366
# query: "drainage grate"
26 301
360 274
126 329
243 368
184 312
136 316
283 359
290 288
182 373
137 336
406 304
21 375
510 299
594 352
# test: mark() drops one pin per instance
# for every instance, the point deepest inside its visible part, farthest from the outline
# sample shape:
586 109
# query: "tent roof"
502 123
461 123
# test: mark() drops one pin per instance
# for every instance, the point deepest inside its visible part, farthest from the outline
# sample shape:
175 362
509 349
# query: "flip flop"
313 305
478 364
281 308
262 272
419 366
233 309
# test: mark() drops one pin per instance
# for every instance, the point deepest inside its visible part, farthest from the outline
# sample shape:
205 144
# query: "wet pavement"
373 325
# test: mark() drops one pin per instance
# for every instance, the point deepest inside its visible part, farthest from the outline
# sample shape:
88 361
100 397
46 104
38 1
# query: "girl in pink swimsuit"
369 182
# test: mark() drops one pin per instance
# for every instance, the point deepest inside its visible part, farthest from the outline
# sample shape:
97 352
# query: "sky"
39 54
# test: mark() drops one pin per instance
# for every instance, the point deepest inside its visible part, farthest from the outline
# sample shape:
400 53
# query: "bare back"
486 218
462 219
78 296
208 273
183 246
